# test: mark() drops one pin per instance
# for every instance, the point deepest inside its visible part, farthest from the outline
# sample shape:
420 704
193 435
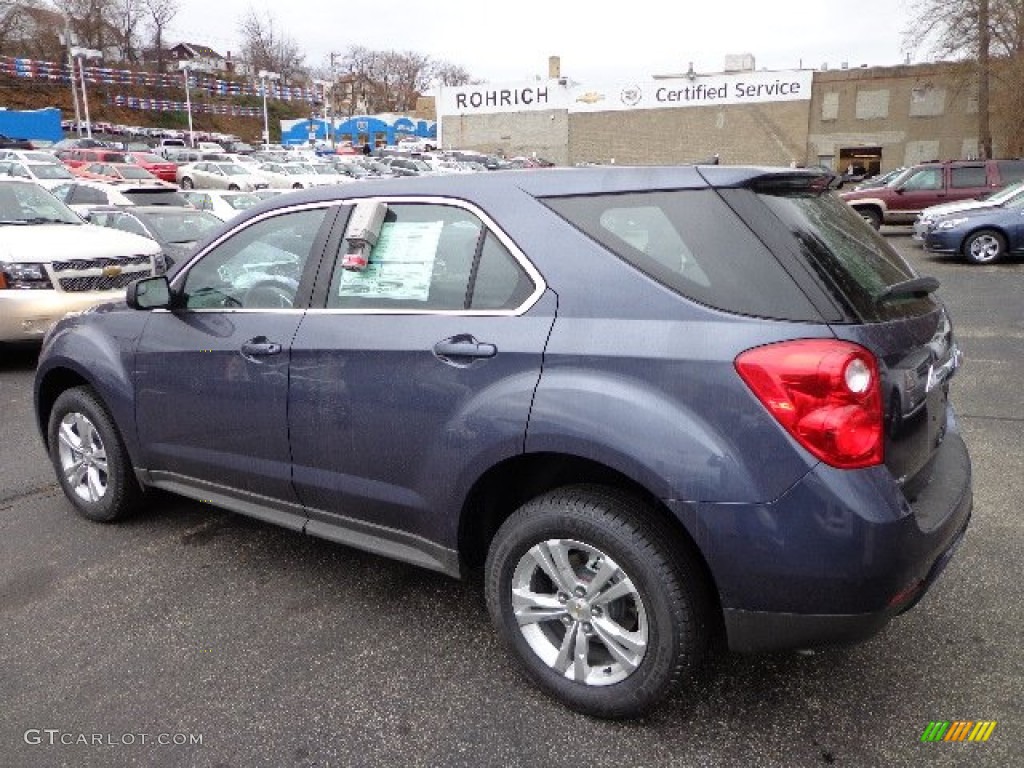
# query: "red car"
119 173
158 166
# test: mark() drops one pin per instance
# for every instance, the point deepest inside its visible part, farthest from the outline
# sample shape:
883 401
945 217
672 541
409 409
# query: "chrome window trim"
540 285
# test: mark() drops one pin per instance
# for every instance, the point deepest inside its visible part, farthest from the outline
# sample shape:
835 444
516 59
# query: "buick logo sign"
631 96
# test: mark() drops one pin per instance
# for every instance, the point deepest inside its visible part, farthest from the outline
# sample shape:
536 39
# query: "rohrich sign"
702 91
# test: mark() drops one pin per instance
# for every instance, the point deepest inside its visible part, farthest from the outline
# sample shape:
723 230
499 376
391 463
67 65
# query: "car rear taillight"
825 393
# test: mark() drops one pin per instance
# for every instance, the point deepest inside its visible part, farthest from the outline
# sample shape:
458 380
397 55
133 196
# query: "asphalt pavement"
190 636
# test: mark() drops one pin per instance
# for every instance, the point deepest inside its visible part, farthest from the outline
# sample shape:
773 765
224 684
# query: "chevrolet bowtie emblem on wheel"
112 271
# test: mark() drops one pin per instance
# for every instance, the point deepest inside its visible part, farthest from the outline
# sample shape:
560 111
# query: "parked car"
6 142
120 173
291 176
210 175
176 229
731 420
158 166
52 263
224 205
927 218
28 156
882 180
84 195
980 235
78 157
45 174
930 184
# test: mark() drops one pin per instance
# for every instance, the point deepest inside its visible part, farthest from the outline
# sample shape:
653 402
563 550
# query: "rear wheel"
233 188
985 247
186 183
872 216
89 457
604 607
296 185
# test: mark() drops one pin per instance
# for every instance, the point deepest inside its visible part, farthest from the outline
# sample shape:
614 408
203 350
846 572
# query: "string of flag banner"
200 107
214 86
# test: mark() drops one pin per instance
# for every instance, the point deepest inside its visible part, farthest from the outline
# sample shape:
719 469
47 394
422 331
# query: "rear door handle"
261 346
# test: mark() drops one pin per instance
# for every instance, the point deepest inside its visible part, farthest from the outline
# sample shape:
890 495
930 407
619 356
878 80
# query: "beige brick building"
878 118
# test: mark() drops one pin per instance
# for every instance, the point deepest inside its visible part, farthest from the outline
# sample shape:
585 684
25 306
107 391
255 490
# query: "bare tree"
126 16
266 47
449 75
15 26
987 38
390 81
160 13
90 21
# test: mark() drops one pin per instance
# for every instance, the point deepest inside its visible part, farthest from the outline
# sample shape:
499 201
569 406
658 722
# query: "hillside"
24 93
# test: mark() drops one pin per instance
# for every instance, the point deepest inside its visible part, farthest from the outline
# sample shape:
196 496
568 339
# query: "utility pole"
71 71
984 76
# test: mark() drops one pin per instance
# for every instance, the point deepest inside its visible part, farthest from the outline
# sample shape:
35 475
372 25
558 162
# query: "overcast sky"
596 40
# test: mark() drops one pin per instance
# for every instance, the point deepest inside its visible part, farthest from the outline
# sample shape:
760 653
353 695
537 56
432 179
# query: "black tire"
187 183
986 246
233 188
871 216
297 185
79 430
664 600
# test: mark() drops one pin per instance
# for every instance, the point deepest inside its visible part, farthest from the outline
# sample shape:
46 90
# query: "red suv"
928 184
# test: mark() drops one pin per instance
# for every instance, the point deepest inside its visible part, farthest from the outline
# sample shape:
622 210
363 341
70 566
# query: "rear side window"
691 242
968 176
853 261
1010 170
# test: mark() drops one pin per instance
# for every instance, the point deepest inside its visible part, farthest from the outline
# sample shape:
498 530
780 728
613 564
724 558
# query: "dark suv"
928 184
654 406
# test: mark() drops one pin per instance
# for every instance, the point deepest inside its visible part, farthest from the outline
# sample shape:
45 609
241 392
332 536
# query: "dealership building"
877 118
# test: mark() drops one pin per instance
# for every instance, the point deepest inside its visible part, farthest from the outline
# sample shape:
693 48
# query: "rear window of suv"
1010 170
853 262
691 242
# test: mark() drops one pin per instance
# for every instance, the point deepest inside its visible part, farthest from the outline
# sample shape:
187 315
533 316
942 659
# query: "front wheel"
604 607
186 183
296 185
985 247
89 457
233 188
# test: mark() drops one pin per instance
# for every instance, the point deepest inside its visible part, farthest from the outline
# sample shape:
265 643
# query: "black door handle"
260 347
464 347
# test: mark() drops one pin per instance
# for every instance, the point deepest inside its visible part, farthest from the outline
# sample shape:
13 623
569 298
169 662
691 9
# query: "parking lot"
240 644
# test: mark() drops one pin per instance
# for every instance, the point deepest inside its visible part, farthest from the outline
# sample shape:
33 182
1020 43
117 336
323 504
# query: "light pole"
185 66
81 54
324 87
265 75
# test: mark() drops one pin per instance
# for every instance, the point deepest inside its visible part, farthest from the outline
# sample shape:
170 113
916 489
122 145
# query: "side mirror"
149 293
899 190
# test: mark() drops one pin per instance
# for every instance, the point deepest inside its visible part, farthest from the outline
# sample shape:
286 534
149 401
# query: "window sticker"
401 263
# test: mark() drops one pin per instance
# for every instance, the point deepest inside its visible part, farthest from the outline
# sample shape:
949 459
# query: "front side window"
258 267
432 257
929 178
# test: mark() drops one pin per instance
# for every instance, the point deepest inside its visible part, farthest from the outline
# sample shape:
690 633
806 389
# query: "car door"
414 374
212 375
924 188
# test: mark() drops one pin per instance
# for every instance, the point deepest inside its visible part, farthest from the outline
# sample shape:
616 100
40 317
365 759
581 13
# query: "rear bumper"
840 554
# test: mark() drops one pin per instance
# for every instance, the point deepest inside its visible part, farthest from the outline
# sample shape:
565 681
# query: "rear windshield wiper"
916 287
48 220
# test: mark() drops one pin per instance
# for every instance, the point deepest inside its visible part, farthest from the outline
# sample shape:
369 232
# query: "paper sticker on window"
401 263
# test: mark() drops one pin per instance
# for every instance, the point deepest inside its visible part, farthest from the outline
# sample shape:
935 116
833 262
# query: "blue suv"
653 407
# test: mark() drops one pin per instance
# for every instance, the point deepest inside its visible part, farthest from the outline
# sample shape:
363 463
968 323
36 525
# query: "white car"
52 262
219 175
29 156
222 204
292 176
926 218
82 195
48 175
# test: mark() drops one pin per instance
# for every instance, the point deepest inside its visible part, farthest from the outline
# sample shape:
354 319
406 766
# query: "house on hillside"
202 56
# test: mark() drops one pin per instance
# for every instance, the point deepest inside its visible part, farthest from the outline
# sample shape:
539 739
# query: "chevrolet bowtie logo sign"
112 271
